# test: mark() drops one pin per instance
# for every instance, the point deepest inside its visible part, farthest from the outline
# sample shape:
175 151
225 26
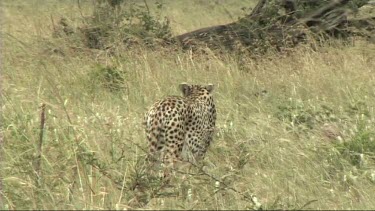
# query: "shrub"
109 77
119 22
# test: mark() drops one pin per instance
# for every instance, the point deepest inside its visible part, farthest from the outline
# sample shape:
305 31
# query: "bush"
118 22
111 78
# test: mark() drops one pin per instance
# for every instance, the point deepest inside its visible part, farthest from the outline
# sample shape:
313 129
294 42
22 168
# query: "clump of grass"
304 115
361 144
109 77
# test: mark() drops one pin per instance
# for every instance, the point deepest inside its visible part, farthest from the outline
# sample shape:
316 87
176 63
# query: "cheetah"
181 128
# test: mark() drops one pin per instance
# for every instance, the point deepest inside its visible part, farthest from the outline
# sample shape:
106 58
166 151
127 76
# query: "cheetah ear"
185 88
210 88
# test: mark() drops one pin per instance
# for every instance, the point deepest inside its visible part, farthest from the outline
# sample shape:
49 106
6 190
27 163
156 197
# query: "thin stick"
2 119
40 144
53 23
80 10
1 177
147 8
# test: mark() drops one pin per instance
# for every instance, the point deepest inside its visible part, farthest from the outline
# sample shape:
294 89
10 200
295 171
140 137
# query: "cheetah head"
188 90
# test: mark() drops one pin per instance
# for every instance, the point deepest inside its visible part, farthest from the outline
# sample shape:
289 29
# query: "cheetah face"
188 90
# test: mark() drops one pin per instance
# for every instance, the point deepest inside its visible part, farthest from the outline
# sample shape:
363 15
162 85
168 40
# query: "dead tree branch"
262 30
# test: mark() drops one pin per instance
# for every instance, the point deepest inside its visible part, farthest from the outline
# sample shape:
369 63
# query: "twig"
148 9
257 10
40 144
80 10
1 179
307 204
1 120
53 24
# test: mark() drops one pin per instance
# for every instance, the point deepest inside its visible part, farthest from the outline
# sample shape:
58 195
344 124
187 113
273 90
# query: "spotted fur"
182 128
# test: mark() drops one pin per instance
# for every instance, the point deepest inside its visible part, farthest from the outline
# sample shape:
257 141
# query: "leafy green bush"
120 22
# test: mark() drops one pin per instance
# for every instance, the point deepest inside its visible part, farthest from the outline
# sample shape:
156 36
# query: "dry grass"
273 146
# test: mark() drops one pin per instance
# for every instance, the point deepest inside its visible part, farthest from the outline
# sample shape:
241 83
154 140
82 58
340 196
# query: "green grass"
275 146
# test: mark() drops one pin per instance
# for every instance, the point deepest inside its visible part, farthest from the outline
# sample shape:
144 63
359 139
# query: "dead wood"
259 31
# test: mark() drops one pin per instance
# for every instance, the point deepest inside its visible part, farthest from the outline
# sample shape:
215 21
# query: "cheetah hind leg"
154 164
168 168
172 163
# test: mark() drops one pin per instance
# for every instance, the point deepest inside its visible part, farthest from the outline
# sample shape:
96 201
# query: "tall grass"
276 117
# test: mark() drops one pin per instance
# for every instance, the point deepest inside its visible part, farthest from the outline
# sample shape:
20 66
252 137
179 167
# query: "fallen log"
258 31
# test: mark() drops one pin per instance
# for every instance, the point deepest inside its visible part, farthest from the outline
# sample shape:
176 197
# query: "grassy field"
307 141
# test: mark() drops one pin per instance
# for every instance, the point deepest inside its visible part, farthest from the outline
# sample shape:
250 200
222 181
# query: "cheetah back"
182 128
